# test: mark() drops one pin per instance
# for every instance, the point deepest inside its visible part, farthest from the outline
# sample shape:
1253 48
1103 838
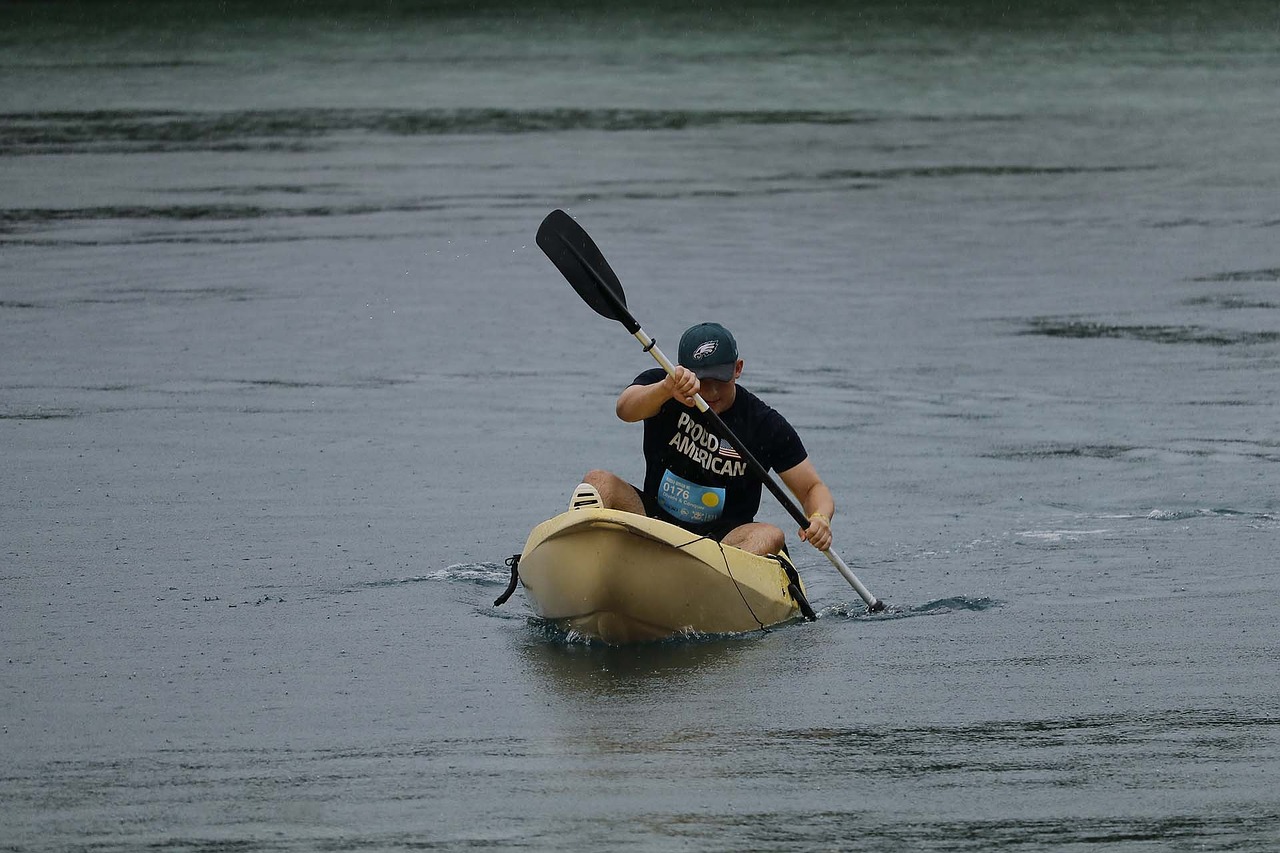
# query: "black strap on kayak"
514 562
806 610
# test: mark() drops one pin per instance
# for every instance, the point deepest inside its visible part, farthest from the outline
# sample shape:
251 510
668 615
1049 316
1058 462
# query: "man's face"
720 393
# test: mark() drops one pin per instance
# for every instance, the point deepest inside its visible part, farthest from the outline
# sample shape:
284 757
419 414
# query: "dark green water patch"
13 218
807 829
231 293
283 383
961 416
40 414
1228 303
1269 274
151 295
1203 222
216 239
362 383
18 225
972 171
793 182
260 189
146 131
1062 451
1261 451
1088 330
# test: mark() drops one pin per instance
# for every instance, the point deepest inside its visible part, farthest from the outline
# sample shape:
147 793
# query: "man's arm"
638 402
819 505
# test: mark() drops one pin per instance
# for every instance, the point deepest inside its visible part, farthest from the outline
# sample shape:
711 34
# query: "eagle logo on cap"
705 349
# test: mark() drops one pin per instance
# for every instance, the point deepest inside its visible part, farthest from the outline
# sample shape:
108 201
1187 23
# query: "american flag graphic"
727 451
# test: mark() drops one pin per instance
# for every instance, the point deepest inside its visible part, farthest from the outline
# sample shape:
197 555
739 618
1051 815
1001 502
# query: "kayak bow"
623 578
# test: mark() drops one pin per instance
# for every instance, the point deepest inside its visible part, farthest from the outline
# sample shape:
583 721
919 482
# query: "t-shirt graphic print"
697 479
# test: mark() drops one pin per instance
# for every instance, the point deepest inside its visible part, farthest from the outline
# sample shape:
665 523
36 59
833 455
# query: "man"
695 478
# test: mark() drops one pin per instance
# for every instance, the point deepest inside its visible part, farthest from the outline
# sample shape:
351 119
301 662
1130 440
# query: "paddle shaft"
784 498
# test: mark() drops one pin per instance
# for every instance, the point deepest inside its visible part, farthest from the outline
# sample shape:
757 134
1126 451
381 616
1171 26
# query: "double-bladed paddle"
575 254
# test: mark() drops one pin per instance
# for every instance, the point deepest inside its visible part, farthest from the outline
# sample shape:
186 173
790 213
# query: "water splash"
381 583
1185 514
936 607
959 602
481 573
1059 535
477 573
552 632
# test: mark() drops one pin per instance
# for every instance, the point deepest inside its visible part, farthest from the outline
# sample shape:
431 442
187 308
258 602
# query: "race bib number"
689 502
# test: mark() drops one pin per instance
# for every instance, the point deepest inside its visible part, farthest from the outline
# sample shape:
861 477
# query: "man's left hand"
818 533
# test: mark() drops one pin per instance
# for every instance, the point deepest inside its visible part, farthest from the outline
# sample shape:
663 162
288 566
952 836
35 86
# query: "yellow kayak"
624 578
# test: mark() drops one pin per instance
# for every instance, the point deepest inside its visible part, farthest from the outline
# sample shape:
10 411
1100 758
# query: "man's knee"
615 492
757 537
772 538
597 477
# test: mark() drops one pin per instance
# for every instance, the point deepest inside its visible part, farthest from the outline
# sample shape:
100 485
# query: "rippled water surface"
285 379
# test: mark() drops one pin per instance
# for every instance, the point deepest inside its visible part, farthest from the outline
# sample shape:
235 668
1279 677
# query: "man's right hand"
683 385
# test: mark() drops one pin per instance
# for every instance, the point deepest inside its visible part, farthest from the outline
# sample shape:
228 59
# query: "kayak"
622 578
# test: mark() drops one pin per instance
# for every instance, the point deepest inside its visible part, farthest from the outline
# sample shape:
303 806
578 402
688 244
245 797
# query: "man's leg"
616 492
756 537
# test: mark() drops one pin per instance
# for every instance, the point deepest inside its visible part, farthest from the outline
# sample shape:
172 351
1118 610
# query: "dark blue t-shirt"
696 479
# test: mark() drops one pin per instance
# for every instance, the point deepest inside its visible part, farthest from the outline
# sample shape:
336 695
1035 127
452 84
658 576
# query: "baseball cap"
709 350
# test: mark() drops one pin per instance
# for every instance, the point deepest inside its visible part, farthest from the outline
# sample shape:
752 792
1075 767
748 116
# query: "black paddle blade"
574 253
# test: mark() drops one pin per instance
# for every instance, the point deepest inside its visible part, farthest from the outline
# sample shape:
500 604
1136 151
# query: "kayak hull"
623 578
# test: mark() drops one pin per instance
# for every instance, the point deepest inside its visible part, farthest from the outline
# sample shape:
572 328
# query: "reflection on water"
576 669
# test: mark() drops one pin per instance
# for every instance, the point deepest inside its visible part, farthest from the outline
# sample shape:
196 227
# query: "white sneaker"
585 496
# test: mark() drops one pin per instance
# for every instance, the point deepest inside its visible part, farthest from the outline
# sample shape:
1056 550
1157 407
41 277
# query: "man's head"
709 350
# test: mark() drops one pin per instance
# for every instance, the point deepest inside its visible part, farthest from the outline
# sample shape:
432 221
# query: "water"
285 379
